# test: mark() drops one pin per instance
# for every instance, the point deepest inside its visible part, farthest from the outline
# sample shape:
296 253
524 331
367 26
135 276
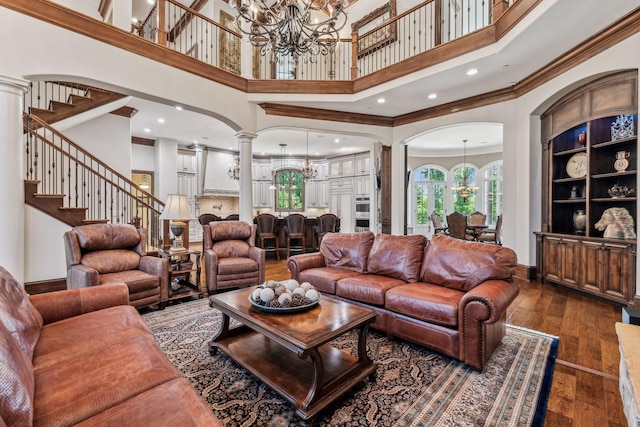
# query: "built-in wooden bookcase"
580 149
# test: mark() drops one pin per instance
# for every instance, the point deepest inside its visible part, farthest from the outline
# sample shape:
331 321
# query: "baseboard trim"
526 272
44 286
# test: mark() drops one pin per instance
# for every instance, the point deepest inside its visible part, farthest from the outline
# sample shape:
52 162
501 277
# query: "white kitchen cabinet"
262 195
323 170
341 166
362 164
363 186
317 194
341 185
262 171
341 204
186 162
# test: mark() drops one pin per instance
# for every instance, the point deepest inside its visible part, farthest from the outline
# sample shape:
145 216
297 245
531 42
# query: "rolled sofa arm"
482 320
59 305
299 263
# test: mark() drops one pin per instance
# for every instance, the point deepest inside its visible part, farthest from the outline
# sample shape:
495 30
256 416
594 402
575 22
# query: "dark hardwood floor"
584 390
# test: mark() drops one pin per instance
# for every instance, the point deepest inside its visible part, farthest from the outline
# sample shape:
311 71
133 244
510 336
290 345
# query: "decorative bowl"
286 296
295 309
619 191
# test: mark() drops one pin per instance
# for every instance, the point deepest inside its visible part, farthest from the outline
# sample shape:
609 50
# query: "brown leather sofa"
446 294
114 253
231 258
86 357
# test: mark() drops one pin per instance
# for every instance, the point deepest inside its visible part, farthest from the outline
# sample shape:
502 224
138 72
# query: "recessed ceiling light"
134 20
160 120
336 140
432 96
195 141
147 130
317 154
262 154
178 107
381 100
472 71
151 1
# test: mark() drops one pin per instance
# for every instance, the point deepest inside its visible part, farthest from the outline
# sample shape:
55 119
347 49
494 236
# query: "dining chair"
492 235
233 217
267 231
206 218
457 224
438 228
327 223
294 231
476 218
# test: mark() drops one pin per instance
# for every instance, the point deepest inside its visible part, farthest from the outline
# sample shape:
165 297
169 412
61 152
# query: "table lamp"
177 211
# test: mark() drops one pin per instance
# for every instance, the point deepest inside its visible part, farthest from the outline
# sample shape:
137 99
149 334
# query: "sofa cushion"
173 403
70 337
237 265
347 250
397 256
16 383
136 280
107 236
83 386
324 279
426 302
367 288
230 230
17 314
110 261
231 249
464 265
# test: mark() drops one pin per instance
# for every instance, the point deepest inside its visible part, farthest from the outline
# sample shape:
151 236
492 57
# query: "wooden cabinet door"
562 260
592 266
615 270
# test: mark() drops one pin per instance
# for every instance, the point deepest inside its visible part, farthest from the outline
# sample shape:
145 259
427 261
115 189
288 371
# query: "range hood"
215 181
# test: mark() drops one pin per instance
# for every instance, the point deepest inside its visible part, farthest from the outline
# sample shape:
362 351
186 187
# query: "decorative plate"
295 309
577 165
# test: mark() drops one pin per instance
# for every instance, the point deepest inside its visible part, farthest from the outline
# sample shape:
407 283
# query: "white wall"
142 157
44 247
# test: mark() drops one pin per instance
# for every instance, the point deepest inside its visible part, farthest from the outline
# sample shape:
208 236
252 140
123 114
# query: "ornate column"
12 175
246 178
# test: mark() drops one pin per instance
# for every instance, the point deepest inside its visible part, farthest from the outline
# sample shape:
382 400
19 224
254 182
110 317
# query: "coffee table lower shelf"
310 380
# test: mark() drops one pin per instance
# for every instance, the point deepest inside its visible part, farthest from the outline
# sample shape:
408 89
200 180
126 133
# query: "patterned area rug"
413 386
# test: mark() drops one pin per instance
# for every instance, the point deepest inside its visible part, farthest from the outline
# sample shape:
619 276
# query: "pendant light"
465 190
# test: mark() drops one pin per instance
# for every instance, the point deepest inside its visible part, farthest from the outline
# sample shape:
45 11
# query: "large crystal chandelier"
308 171
285 29
465 190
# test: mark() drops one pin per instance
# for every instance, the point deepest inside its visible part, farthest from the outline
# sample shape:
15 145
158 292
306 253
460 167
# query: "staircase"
56 101
68 183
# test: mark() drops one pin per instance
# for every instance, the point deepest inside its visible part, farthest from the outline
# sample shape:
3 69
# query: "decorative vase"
580 221
582 138
621 164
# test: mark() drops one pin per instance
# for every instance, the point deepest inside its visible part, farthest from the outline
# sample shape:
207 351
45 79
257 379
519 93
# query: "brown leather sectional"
86 357
446 294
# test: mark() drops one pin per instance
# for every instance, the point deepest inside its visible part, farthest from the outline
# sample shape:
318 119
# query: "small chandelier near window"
465 190
234 169
285 29
308 170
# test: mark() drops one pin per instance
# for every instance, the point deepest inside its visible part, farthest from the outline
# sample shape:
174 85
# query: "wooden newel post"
162 24
354 55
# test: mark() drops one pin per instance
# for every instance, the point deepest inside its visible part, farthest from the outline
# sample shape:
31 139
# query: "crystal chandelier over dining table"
465 190
285 29
307 169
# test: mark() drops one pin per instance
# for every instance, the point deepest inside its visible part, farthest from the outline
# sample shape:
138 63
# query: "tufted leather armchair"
231 259
106 253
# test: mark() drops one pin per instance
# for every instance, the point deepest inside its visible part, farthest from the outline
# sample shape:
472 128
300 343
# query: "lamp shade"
176 208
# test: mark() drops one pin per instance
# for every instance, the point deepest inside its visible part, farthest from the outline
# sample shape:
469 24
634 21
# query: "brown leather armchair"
107 253
231 259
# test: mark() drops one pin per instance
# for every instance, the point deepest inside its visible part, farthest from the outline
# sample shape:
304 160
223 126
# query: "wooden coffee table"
290 352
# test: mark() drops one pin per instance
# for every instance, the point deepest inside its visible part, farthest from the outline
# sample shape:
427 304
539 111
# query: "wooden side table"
181 265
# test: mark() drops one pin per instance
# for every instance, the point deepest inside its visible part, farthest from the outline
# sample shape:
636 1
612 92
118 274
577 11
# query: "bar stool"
327 223
294 230
267 225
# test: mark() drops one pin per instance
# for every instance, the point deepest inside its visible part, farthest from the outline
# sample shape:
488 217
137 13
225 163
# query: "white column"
12 175
246 178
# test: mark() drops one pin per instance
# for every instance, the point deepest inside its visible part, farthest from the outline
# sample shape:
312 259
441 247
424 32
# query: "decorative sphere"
272 284
284 299
292 284
280 289
306 286
267 294
299 291
312 295
255 296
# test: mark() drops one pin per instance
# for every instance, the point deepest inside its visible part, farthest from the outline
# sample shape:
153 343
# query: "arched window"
492 188
430 182
464 200
290 191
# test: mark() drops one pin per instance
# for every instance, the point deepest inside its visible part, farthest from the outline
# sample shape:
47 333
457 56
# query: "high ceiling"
552 30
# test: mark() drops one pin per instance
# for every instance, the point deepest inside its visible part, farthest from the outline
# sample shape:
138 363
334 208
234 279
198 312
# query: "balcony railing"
398 38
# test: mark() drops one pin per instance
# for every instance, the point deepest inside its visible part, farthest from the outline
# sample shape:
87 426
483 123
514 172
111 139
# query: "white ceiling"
550 31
